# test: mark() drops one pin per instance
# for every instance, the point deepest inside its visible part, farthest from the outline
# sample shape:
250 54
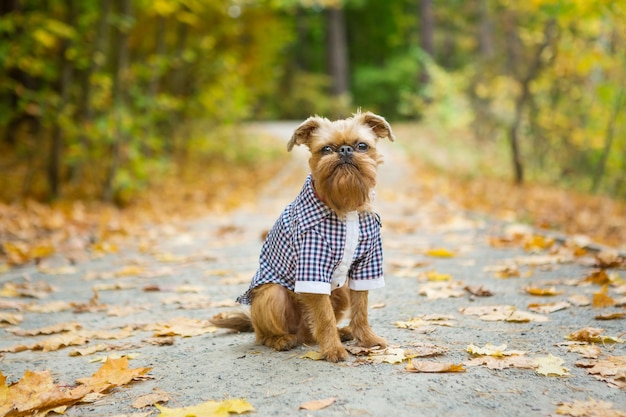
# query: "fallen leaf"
439 290
208 409
312 354
478 291
548 307
592 335
39 289
586 350
504 271
51 307
590 408
150 399
611 370
601 298
550 366
11 318
317 404
599 277
492 350
612 316
435 276
182 326
89 350
579 300
503 362
113 373
55 328
502 313
542 291
426 320
433 367
440 253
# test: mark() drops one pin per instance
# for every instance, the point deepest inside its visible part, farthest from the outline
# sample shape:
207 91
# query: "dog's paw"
345 334
336 354
281 343
370 339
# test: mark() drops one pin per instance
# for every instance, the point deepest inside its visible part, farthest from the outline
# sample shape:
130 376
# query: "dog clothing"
311 250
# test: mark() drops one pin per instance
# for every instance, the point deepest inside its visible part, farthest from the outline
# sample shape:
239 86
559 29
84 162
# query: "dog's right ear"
302 135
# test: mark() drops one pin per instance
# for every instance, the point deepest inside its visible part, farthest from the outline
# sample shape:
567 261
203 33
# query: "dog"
324 253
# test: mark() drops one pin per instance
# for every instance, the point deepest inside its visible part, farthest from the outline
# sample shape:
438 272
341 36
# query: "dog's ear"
379 125
302 135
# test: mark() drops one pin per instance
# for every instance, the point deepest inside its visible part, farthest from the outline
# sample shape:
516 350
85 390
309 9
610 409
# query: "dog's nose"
346 151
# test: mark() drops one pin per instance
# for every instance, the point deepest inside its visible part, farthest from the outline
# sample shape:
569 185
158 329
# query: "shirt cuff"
366 284
313 287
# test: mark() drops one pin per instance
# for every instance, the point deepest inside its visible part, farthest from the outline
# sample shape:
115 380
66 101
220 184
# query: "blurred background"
99 99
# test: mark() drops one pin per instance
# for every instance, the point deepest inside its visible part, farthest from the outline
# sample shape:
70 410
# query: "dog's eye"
327 150
362 147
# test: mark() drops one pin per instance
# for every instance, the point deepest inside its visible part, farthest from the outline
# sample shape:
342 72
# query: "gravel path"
194 270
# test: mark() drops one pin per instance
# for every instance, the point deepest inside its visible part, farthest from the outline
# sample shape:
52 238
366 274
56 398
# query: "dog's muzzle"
346 152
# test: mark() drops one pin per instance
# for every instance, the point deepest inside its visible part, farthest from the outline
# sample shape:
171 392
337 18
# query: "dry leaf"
113 373
542 291
550 366
612 316
89 350
150 399
433 367
592 335
599 277
601 298
504 271
208 409
51 307
586 350
502 313
440 253
438 290
611 370
491 350
426 320
579 300
55 328
11 318
312 354
548 307
435 276
182 326
504 362
317 404
478 291
590 408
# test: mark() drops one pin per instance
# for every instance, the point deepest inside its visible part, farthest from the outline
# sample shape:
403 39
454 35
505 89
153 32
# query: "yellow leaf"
317 404
491 350
113 373
601 299
435 276
440 253
592 335
551 366
311 354
549 307
208 409
184 327
542 291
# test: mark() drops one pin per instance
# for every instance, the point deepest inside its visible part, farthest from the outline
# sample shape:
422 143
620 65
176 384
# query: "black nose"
346 151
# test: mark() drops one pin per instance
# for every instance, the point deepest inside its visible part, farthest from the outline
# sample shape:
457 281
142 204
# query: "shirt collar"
311 209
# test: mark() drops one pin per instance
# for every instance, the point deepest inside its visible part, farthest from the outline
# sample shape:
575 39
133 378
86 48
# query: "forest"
99 98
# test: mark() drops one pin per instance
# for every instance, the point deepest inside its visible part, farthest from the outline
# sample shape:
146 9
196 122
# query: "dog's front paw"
370 339
335 354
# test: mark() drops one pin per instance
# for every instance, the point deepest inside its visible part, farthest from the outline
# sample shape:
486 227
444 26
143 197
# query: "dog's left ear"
379 125
302 134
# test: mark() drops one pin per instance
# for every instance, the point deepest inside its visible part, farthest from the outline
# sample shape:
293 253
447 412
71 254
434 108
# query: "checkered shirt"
304 250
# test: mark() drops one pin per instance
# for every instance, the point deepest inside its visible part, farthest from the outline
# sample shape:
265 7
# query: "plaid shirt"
309 249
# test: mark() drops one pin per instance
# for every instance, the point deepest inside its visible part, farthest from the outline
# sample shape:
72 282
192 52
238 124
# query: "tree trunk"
56 144
485 31
120 74
337 51
427 27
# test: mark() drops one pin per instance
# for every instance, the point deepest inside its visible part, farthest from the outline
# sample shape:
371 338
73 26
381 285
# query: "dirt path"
191 270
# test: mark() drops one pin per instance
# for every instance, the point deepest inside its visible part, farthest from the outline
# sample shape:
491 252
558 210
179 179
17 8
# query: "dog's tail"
234 320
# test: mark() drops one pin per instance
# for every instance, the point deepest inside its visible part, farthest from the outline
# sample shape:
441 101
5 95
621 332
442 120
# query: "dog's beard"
345 185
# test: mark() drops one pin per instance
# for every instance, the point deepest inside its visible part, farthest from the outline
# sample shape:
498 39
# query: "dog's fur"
282 318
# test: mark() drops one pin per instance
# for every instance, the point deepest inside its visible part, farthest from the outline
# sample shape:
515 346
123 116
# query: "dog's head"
343 157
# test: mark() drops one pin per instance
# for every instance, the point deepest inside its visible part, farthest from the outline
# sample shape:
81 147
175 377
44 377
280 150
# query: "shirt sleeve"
314 264
367 271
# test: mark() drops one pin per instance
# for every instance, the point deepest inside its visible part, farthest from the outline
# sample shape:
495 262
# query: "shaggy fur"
344 181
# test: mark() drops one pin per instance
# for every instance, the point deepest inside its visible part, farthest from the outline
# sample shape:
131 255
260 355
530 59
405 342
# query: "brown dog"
324 253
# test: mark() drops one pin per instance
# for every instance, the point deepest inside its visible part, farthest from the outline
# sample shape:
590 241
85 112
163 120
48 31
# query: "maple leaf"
601 298
599 277
611 370
436 290
208 409
586 350
433 367
55 328
590 408
502 313
113 373
426 320
550 366
579 300
317 404
150 399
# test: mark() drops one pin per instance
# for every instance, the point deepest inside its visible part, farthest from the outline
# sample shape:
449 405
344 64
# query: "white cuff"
313 287
366 284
